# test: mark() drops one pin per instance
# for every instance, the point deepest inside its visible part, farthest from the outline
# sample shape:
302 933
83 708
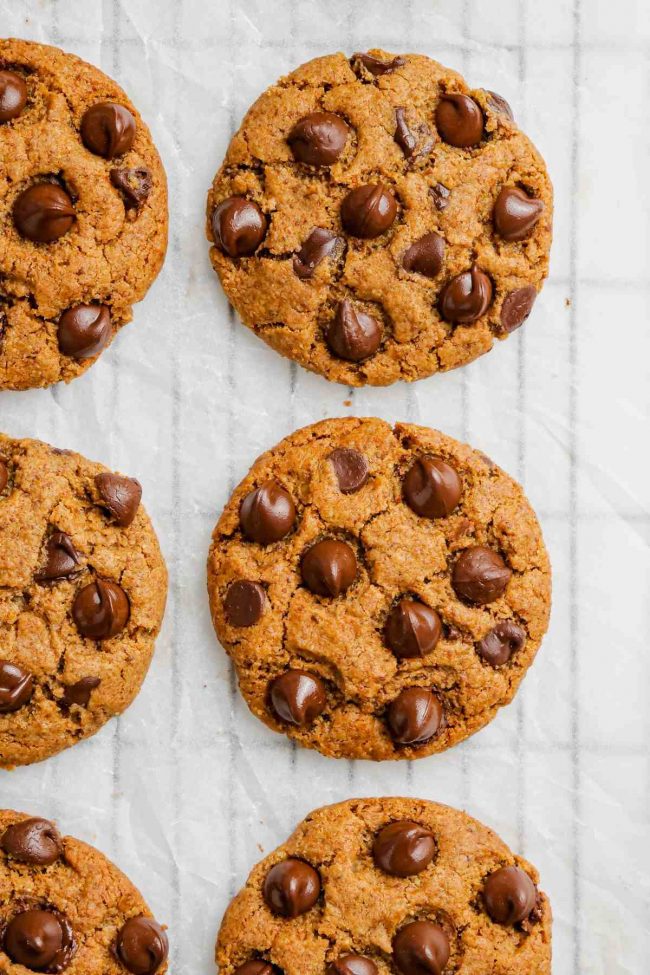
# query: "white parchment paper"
186 789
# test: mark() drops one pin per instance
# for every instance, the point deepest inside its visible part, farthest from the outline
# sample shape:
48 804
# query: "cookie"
63 905
82 594
375 219
83 220
382 592
388 887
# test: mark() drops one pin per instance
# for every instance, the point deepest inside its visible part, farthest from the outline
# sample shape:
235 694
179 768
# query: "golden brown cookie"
65 907
388 887
382 592
82 594
83 221
375 219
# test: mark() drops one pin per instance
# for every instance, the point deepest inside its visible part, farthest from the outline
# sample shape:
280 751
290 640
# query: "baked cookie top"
65 907
388 887
376 219
381 591
82 594
83 220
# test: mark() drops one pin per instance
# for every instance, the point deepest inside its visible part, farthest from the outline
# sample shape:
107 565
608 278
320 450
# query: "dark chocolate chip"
351 964
298 697
497 647
404 848
43 213
459 120
498 104
256 966
244 603
135 185
61 558
432 487
350 468
353 334
466 297
34 841
329 567
80 692
101 610
412 142
84 330
369 210
16 686
141 945
412 629
291 887
415 716
238 226
516 213
425 256
108 129
480 575
13 95
509 895
516 307
318 139
421 948
267 513
320 244
440 196
4 475
377 66
40 940
120 496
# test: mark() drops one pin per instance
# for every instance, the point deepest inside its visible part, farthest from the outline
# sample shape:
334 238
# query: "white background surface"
186 789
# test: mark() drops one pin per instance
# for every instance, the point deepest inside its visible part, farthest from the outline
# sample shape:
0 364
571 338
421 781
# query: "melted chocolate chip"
318 139
353 335
108 129
404 848
412 629
61 558
432 487
480 575
244 603
101 610
412 143
40 940
421 948
351 964
459 120
329 567
320 244
141 946
440 196
13 95
298 697
415 716
466 297
84 330
498 104
350 468
509 895
43 213
120 496
33 841
257 967
80 692
291 887
516 213
369 211
497 647
238 226
425 256
135 185
377 66
267 513
16 686
516 307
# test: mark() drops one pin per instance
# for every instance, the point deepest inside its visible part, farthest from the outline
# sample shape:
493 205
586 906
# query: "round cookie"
382 592
82 594
375 219
63 906
83 222
388 887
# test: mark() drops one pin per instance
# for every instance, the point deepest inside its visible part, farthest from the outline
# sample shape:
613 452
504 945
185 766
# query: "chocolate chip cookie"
64 905
382 592
388 887
82 593
376 219
83 220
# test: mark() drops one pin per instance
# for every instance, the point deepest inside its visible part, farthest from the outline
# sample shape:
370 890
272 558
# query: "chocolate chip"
466 297
509 895
459 120
34 841
256 967
134 184
13 95
440 196
291 887
412 143
141 945
501 642
432 487
238 226
350 468
319 245
298 697
80 692
4 476
480 575
412 629
39 940
377 66
84 330
425 256
516 308
120 496
61 558
415 716
369 211
404 848
267 513
16 686
43 213
108 129
101 610
421 948
318 139
244 603
353 335
351 964
498 104
515 213
329 567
